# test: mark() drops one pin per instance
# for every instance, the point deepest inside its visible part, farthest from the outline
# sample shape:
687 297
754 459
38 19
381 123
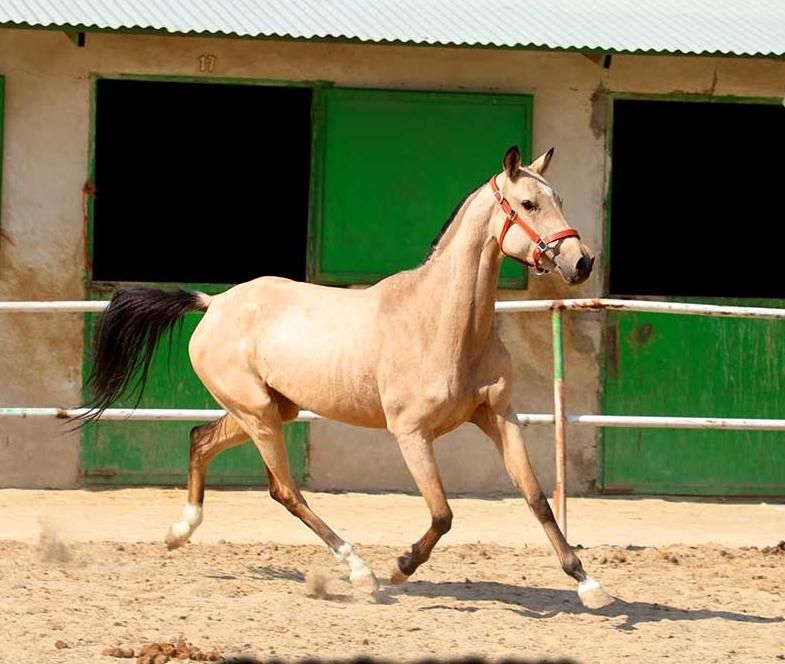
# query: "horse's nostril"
584 265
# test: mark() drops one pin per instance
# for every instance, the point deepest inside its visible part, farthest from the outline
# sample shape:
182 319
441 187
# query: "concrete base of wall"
25 465
356 459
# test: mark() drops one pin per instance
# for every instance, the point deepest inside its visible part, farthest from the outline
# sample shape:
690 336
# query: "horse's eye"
528 205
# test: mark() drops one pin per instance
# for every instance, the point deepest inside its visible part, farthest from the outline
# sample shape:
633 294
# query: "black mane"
446 225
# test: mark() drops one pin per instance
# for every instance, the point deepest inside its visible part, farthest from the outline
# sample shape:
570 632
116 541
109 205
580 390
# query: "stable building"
207 145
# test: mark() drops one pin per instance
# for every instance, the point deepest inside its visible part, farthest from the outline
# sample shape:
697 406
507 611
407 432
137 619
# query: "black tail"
125 339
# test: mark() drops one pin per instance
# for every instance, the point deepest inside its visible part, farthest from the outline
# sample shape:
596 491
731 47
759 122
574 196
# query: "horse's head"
531 226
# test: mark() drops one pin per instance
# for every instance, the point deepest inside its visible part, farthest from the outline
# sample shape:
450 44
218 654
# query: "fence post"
560 418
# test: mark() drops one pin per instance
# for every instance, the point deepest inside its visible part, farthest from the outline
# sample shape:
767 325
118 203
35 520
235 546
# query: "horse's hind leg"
505 432
207 441
418 454
267 433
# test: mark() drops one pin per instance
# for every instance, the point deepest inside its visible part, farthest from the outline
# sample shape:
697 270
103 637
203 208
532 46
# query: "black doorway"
696 199
200 182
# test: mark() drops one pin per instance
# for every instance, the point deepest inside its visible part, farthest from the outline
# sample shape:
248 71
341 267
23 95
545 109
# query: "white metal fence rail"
206 414
558 418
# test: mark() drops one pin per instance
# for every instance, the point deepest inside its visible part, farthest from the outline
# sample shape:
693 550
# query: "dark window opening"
696 199
200 182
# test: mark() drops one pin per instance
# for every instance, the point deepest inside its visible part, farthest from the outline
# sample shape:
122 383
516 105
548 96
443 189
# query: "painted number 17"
207 63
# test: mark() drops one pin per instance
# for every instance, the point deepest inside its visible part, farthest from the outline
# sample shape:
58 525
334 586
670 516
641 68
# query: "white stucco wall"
47 122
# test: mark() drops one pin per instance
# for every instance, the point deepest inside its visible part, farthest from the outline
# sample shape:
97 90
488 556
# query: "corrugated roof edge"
531 46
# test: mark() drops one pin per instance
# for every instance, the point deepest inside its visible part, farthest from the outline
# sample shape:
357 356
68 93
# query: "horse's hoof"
365 581
398 577
592 595
174 540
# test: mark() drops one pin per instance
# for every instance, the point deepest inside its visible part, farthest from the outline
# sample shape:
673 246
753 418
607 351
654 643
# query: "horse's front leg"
418 454
505 432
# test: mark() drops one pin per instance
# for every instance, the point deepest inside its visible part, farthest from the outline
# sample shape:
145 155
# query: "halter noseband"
540 243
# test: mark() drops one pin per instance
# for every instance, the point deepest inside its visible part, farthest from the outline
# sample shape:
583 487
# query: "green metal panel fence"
658 364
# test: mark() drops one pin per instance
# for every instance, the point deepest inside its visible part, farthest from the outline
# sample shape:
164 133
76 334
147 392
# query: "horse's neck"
461 277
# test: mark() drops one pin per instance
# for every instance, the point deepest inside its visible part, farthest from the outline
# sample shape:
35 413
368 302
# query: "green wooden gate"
665 364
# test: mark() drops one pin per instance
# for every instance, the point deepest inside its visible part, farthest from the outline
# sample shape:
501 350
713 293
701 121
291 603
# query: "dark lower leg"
207 441
418 454
421 550
505 432
570 563
285 492
291 498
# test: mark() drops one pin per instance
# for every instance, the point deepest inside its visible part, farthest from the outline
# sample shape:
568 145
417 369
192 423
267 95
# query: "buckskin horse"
417 353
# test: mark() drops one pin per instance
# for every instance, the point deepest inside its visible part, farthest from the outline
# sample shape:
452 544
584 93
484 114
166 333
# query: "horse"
417 353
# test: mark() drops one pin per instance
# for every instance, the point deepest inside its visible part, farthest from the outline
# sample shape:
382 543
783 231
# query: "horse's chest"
449 402
431 405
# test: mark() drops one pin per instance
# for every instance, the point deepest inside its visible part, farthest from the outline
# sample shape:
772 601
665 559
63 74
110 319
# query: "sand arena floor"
83 571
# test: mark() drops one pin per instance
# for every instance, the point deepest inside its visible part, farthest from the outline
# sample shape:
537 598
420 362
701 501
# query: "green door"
664 364
390 167
138 452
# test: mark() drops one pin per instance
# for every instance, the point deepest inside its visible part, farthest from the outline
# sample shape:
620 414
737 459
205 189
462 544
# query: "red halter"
540 244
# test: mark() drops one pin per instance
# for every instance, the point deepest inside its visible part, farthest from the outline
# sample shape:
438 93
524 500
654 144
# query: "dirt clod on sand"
125 653
162 652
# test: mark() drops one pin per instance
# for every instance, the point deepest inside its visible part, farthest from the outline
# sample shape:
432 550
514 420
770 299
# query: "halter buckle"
542 246
498 195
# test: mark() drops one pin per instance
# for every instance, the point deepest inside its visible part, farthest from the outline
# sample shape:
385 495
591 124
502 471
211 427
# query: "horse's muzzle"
582 270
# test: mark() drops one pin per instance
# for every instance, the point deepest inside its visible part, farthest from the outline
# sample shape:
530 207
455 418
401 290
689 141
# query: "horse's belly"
341 400
330 379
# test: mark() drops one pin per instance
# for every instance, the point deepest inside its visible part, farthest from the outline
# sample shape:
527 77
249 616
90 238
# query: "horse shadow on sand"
528 602
544 603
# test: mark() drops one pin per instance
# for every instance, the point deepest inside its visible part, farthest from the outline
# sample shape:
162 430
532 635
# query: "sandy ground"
696 581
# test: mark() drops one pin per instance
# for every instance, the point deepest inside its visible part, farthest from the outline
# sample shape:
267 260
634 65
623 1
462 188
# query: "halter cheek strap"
541 245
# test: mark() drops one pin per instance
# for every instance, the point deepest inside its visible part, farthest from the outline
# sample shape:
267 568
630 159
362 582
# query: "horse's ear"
512 162
540 165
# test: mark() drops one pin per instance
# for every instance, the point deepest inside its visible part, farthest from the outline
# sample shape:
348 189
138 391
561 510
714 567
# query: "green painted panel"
157 452
662 364
394 166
